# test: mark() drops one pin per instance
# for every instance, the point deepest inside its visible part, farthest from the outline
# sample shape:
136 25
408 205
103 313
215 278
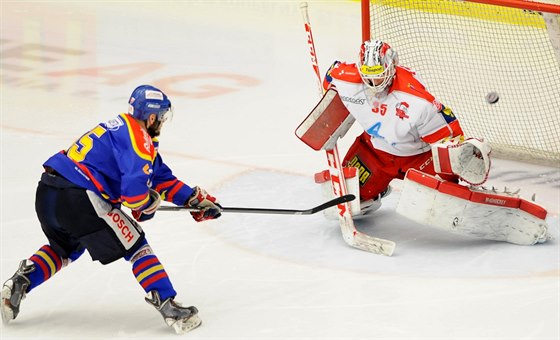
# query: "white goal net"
465 50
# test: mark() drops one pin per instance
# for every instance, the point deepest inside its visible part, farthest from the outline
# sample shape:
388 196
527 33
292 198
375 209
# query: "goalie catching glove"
147 213
469 159
208 207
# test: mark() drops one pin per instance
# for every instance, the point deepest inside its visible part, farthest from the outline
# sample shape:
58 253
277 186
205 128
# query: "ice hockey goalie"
430 200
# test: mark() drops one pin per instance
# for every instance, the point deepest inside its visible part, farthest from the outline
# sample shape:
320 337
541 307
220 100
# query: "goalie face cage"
465 50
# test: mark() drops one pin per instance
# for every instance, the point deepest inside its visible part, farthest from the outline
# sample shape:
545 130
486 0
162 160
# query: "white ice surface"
239 76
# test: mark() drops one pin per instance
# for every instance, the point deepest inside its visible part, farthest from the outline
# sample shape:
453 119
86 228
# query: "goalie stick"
349 233
321 207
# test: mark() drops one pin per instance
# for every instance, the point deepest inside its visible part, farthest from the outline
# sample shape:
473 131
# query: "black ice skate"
14 290
182 319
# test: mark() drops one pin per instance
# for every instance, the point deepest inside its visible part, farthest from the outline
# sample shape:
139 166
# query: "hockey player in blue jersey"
79 202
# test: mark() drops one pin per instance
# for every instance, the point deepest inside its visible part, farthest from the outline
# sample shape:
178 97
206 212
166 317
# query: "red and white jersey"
405 121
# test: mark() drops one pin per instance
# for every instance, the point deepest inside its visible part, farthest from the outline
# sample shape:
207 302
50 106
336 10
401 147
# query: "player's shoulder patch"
345 72
114 124
406 81
139 138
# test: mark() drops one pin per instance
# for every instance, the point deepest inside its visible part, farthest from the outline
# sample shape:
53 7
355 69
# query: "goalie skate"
14 290
182 319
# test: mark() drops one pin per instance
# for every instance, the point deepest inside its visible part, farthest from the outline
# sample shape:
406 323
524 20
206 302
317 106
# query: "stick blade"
363 241
373 244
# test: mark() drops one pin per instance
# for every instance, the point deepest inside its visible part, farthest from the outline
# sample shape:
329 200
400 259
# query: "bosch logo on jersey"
123 226
364 173
358 101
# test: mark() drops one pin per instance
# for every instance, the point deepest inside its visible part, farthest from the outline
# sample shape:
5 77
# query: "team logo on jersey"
402 110
114 124
363 172
374 131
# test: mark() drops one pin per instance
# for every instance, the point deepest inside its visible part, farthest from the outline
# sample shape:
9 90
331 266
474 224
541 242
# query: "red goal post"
466 49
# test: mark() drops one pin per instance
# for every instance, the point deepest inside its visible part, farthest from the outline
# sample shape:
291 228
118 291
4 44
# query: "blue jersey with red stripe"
119 161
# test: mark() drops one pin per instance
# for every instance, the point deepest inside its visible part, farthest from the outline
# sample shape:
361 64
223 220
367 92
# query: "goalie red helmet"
377 64
146 100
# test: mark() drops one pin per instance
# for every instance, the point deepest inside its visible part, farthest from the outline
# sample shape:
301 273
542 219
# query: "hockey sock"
150 274
47 263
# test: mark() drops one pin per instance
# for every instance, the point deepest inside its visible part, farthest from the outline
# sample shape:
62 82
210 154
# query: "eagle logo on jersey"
402 110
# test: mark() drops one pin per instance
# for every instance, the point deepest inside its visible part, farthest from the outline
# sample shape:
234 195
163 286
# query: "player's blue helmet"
146 100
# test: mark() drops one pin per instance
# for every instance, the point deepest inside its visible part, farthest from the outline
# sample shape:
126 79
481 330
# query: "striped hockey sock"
47 263
150 274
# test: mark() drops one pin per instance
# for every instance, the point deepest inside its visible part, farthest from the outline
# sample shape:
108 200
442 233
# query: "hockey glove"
468 159
209 207
148 212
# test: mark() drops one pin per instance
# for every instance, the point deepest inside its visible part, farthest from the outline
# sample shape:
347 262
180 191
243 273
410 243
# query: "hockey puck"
492 97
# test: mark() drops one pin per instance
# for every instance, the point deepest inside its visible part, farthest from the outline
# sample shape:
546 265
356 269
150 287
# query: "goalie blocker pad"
481 213
327 122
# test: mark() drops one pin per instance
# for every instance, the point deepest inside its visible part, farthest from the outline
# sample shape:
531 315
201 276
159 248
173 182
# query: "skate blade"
184 326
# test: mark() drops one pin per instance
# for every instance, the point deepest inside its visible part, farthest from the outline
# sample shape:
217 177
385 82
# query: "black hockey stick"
331 203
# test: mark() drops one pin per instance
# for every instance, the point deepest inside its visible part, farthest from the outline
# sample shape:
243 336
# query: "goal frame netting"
524 124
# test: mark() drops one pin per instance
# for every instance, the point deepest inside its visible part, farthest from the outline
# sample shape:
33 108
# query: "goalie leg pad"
479 213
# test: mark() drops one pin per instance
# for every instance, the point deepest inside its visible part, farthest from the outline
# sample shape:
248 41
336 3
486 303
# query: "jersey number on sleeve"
79 150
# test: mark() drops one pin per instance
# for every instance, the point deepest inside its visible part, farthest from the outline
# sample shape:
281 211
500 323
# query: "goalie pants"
378 168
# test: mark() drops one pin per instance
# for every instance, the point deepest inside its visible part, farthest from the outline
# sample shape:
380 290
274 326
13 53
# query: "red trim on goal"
522 4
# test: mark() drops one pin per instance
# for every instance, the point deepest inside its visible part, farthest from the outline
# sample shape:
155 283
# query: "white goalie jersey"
402 122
